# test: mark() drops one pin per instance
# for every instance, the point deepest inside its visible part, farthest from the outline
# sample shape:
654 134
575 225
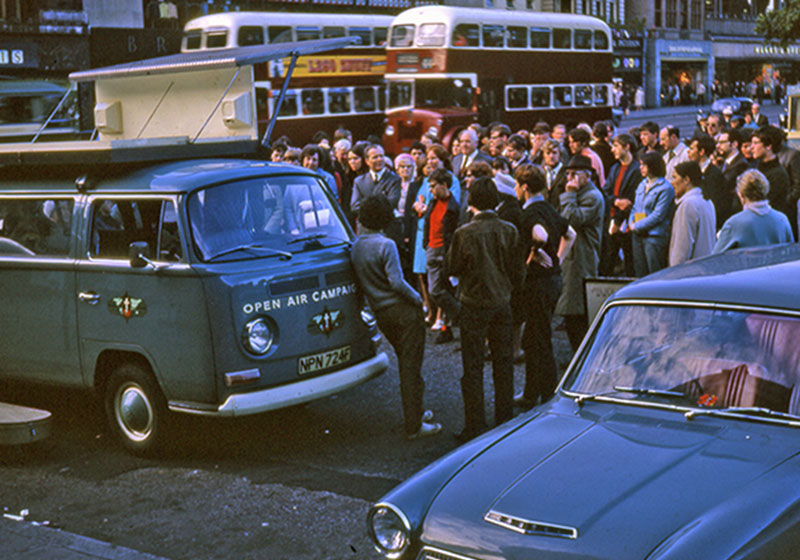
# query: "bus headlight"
389 529
389 131
257 336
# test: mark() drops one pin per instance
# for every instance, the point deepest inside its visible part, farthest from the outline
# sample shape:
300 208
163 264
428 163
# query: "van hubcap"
134 412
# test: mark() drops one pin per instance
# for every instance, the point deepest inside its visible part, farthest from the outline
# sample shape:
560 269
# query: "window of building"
517 97
466 35
658 14
684 19
697 14
672 14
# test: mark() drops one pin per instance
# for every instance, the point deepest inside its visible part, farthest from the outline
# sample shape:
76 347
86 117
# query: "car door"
37 286
155 311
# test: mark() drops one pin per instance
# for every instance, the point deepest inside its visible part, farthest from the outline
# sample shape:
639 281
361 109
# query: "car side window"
116 223
35 227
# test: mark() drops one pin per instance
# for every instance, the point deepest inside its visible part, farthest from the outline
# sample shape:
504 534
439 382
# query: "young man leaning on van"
397 307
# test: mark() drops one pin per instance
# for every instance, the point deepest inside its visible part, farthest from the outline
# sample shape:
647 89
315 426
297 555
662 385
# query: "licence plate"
323 360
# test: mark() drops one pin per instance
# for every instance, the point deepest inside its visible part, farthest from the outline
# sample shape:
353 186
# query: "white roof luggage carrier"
184 105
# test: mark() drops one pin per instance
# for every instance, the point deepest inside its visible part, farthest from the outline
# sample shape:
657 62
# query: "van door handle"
89 297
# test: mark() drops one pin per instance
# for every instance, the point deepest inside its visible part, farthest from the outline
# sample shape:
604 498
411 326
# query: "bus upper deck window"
308 33
380 35
540 96
562 38
250 35
363 33
217 39
193 40
431 35
332 32
540 38
517 37
364 98
402 36
313 102
339 100
583 39
466 35
600 41
493 35
279 34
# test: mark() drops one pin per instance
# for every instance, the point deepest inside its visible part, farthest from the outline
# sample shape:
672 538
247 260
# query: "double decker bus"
344 87
448 67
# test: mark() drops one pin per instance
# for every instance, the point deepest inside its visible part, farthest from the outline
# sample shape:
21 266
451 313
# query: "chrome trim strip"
528 527
290 394
441 554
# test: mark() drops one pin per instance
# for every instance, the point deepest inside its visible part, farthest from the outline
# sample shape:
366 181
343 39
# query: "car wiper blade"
307 238
252 247
755 411
580 399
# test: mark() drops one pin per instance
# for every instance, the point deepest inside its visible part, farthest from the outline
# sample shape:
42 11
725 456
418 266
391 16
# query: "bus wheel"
136 409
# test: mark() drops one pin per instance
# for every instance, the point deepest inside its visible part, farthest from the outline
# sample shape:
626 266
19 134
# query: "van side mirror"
139 254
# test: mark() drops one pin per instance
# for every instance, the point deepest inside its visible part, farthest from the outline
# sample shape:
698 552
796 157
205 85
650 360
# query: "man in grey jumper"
397 308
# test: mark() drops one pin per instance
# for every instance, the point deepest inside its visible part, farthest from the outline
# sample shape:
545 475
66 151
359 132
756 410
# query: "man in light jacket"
694 224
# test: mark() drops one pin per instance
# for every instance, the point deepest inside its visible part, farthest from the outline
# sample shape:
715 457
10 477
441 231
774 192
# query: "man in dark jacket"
766 142
620 190
484 256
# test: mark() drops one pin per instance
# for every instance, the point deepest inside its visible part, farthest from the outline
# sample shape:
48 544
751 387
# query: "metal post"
277 108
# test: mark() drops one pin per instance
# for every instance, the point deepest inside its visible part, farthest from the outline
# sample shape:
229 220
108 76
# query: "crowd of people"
496 235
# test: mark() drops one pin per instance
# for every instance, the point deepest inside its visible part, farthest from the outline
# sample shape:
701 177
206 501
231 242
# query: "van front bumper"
291 394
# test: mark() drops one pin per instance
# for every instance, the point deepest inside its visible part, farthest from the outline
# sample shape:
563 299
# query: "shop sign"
18 55
626 63
684 49
776 50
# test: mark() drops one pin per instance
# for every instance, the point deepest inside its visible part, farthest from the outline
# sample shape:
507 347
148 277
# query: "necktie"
463 166
671 155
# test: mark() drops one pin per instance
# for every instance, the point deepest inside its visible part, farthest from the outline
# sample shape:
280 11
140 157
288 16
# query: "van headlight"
389 529
257 336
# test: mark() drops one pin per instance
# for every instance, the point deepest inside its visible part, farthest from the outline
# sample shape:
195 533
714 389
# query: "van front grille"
430 553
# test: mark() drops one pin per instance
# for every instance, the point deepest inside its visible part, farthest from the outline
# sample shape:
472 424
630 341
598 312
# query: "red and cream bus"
448 67
344 87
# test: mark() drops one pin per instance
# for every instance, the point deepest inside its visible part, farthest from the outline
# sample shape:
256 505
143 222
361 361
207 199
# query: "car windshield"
693 356
265 216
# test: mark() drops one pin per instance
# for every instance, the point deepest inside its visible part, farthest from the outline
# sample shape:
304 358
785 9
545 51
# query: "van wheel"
136 409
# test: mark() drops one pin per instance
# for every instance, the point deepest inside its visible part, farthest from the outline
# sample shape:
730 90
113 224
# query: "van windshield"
265 216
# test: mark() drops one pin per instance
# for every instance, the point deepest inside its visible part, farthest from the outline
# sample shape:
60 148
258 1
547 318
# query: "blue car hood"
623 478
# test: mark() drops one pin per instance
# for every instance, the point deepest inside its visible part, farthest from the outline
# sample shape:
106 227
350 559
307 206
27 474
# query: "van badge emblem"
325 322
127 306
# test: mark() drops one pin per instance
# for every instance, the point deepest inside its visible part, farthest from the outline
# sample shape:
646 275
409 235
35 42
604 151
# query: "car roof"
175 177
758 277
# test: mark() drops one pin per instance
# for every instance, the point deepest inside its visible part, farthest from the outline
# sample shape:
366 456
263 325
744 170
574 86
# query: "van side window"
35 227
117 223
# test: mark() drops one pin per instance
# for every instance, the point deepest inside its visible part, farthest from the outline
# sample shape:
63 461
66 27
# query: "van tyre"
136 409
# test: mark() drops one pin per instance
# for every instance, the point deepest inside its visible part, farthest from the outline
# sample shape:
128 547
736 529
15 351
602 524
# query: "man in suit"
378 180
675 151
619 190
516 151
701 148
468 146
759 119
728 158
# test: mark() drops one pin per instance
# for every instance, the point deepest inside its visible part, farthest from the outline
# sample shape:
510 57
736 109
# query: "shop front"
675 71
